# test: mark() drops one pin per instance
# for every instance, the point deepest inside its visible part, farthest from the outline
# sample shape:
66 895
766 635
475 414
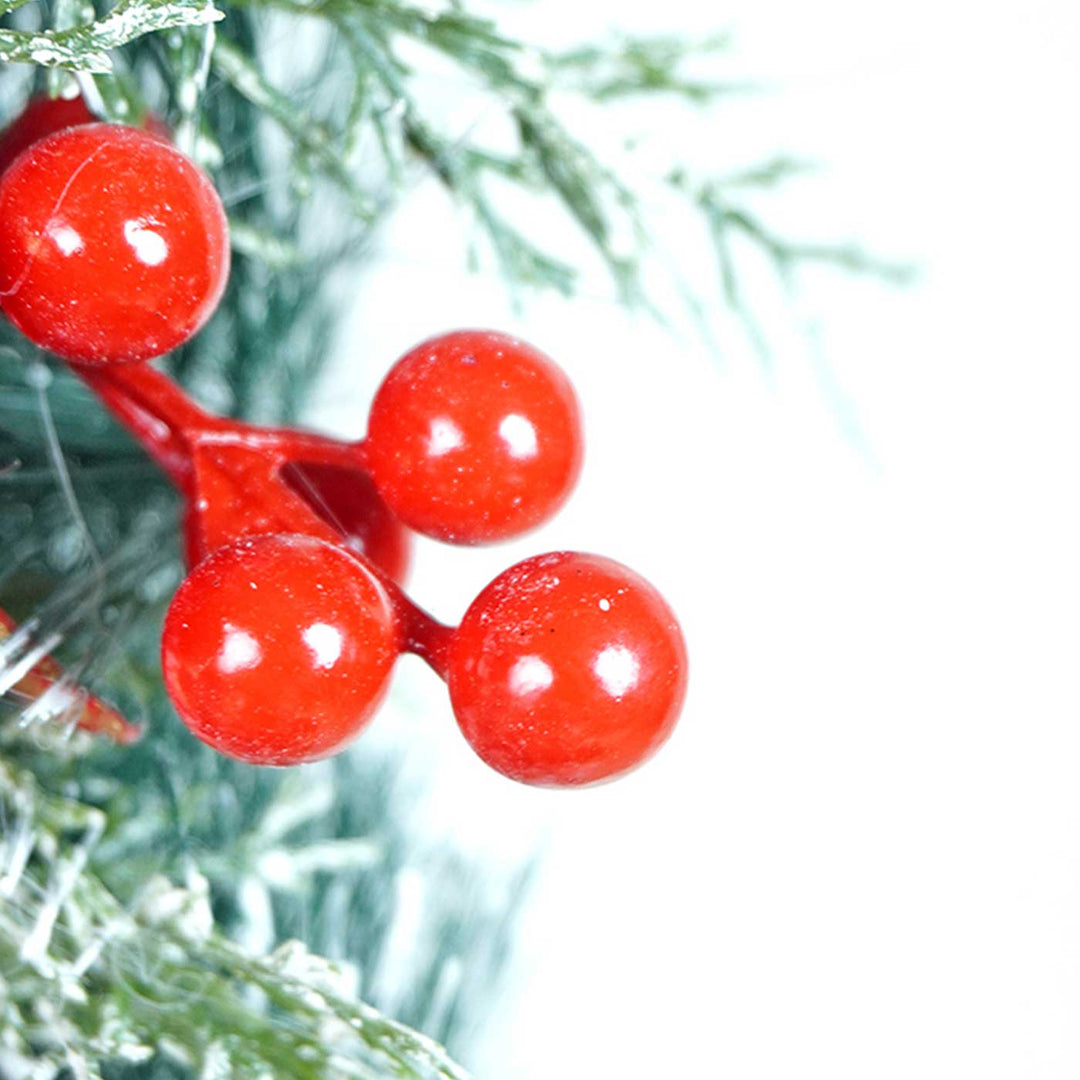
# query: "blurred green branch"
632 66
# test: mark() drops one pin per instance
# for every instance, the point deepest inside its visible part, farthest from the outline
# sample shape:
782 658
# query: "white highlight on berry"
519 435
617 669
149 247
239 651
530 674
604 605
444 436
325 643
67 240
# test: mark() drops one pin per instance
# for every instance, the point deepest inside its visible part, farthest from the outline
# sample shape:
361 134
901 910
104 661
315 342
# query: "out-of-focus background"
860 853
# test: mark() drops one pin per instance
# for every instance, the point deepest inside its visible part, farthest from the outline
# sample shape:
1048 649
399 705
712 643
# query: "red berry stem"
155 410
170 425
422 634
203 454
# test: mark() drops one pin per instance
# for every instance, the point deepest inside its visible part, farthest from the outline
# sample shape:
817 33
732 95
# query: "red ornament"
567 669
113 245
474 437
277 649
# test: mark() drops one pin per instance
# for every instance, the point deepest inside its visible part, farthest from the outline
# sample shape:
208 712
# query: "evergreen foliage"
129 875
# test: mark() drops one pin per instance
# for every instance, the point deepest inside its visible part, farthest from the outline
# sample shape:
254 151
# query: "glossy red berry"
474 437
277 649
42 116
567 669
113 245
45 116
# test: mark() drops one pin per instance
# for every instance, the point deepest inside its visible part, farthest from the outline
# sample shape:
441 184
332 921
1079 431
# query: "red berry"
567 669
347 500
474 437
113 245
277 649
45 116
42 116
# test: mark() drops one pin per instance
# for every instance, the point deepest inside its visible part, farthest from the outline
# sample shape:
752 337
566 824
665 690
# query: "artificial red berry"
347 500
474 437
42 116
567 669
113 245
45 115
277 649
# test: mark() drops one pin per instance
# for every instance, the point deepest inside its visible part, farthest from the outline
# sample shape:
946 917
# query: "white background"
859 856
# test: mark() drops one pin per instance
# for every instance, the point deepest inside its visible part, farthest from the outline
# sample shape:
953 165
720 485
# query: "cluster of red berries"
278 646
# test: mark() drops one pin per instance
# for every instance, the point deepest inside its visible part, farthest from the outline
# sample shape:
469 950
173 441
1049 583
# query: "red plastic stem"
155 410
422 634
431 643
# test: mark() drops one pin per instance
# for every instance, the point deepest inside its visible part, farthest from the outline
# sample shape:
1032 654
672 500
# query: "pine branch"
633 66
86 48
311 138
726 218
85 980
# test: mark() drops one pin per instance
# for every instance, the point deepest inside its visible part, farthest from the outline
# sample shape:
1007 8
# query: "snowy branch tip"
86 48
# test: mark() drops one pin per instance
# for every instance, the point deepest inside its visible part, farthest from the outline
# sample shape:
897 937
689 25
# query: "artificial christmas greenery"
152 896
